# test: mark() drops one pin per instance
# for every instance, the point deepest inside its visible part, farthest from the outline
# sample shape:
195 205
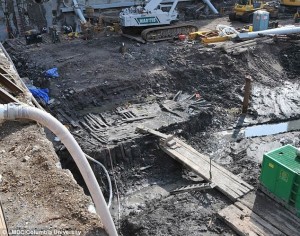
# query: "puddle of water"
270 129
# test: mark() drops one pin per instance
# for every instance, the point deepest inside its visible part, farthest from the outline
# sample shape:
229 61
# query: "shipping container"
280 176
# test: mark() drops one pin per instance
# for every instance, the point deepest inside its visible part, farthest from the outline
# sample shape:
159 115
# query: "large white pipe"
211 7
79 12
15 111
291 29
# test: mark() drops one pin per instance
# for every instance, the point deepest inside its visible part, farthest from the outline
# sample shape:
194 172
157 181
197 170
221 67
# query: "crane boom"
152 5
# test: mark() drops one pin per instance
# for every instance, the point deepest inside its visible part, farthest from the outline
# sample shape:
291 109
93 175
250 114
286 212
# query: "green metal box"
280 176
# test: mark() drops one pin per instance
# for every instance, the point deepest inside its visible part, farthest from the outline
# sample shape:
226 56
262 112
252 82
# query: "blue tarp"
52 73
41 94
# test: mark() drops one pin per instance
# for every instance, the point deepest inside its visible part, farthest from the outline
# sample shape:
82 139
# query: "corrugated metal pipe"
14 111
211 7
291 29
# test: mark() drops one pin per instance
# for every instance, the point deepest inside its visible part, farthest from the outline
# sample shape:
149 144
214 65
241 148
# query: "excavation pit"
102 96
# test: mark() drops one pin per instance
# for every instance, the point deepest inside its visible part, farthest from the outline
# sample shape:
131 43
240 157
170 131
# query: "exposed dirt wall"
35 192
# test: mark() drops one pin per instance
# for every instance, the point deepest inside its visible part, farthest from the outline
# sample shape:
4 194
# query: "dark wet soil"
100 77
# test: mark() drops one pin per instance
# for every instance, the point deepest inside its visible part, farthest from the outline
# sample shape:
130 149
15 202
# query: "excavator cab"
248 5
243 10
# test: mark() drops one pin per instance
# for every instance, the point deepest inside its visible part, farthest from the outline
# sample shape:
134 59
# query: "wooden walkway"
226 182
253 213
257 214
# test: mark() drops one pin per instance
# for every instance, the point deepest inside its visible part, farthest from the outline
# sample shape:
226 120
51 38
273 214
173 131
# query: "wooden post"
248 79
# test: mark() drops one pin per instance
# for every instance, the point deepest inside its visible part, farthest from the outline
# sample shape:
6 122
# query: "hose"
16 111
117 190
108 178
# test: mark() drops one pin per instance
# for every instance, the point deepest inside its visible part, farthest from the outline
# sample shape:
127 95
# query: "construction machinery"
154 13
291 3
243 10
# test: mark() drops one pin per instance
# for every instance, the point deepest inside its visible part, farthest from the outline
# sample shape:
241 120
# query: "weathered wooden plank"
217 177
10 85
245 222
203 171
143 129
234 180
229 184
273 212
225 171
220 178
6 97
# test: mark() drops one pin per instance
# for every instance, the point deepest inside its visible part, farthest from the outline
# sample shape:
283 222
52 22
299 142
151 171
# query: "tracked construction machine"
155 21
243 10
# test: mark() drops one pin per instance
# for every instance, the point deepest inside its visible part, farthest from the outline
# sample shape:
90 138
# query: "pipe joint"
10 111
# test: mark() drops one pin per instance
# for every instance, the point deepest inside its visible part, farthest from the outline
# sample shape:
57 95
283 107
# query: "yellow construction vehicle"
243 10
290 6
290 3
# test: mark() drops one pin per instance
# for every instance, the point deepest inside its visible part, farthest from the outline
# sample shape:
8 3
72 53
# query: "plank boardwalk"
225 181
245 222
258 214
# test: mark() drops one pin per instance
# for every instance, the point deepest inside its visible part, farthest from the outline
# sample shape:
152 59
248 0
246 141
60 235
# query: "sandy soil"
35 192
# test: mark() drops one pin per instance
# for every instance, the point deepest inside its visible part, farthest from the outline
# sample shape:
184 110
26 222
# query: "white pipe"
211 7
79 12
171 12
16 111
291 29
107 176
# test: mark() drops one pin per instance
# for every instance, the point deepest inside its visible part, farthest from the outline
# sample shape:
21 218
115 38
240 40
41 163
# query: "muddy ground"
96 78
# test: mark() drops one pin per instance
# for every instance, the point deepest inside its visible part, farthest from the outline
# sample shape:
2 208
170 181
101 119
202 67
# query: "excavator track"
167 32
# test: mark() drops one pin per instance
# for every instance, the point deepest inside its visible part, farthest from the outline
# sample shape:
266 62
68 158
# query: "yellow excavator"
291 6
243 10
290 3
